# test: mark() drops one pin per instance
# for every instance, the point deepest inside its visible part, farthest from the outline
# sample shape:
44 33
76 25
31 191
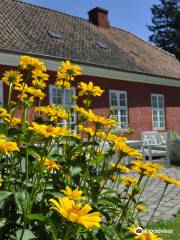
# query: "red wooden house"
141 81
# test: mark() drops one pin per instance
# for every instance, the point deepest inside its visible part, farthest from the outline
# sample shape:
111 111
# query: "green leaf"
52 229
2 222
28 235
14 132
4 195
97 160
39 196
35 216
57 194
100 235
34 153
21 198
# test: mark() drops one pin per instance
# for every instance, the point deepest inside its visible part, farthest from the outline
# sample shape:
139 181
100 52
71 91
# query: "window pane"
124 125
154 102
162 124
154 112
54 91
123 112
161 112
114 99
161 101
115 115
59 92
155 119
67 96
156 124
122 99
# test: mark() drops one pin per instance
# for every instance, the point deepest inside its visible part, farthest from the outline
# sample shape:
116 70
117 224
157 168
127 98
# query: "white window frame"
159 110
51 87
1 93
119 108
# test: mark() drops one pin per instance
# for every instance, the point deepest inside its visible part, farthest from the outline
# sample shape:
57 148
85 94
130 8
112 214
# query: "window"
59 96
1 93
118 103
158 116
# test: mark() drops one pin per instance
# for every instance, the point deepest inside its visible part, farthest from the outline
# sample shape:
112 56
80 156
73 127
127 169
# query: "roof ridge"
143 40
50 9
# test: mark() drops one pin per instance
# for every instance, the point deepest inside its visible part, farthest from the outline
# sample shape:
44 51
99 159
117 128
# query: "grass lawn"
173 224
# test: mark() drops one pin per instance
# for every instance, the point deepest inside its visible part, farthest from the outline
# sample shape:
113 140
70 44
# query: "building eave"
11 58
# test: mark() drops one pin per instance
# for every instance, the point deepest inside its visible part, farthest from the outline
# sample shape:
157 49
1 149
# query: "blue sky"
131 15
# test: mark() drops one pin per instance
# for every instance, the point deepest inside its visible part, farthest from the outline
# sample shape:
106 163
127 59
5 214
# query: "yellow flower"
123 147
76 213
81 110
147 236
97 119
120 167
39 79
46 130
21 87
132 229
63 84
113 178
8 146
1 181
141 208
51 165
15 121
100 119
4 115
89 89
156 166
31 63
2 137
36 92
128 181
55 113
28 93
114 138
50 131
67 71
12 76
88 130
39 75
38 84
145 168
73 194
168 180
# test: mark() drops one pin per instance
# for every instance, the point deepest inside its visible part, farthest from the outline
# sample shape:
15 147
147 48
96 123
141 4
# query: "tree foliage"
166 26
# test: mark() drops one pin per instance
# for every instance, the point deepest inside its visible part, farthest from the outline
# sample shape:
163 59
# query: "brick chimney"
99 17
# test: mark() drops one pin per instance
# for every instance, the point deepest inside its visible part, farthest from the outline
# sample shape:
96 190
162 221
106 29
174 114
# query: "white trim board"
12 59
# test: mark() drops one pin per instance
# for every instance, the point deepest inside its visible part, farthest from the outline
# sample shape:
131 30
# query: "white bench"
155 144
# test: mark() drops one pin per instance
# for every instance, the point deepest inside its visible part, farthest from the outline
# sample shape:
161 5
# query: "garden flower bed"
53 184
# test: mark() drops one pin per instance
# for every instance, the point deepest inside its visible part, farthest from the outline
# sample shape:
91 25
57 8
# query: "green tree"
166 26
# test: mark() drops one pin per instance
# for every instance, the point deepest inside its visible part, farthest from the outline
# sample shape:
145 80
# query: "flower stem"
67 234
157 205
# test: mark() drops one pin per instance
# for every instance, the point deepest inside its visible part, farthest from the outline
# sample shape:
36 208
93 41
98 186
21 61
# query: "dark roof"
25 27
